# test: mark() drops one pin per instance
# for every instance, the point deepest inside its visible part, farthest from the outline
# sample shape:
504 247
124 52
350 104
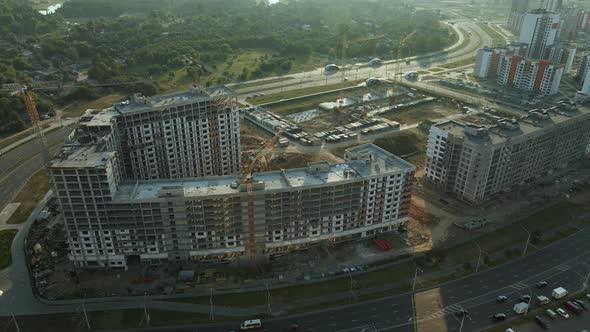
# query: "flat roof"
318 173
144 104
527 125
81 156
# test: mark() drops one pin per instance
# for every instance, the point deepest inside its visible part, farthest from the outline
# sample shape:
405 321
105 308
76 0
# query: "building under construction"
116 213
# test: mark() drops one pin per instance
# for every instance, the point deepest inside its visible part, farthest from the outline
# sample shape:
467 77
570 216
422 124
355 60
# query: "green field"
301 92
257 83
497 38
29 196
6 237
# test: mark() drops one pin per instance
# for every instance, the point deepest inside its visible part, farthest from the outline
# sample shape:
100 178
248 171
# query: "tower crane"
248 180
29 99
402 43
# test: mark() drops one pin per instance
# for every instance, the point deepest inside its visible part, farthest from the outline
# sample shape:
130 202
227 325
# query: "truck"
542 300
520 308
559 293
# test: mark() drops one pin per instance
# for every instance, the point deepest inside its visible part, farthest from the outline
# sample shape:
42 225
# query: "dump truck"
558 293
520 308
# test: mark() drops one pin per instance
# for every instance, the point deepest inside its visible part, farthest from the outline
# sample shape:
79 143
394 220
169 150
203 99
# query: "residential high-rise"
552 5
487 59
187 134
560 54
538 30
113 219
531 75
476 162
584 69
517 11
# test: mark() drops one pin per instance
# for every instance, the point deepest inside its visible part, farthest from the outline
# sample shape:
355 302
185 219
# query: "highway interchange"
561 264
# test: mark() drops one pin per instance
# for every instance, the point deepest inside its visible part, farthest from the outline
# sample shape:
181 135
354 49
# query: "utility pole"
462 321
268 299
352 295
527 240
211 316
585 283
85 314
478 257
15 323
415 277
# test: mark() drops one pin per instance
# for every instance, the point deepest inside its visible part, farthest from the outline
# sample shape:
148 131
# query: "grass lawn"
497 38
16 137
6 237
269 81
108 320
78 108
459 63
408 144
301 92
419 113
29 196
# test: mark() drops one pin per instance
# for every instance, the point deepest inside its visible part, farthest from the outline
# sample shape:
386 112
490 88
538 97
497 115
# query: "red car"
292 327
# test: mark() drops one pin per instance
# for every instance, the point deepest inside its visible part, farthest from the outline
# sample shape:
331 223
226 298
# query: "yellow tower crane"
248 179
402 43
29 99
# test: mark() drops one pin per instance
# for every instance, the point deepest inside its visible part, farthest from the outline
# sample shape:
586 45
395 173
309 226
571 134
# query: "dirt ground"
327 121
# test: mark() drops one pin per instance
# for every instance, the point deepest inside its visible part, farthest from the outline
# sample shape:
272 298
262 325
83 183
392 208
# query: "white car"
509 330
562 313
1 292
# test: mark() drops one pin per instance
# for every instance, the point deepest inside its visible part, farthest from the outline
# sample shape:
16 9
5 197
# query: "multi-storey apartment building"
562 55
475 162
517 12
112 219
488 58
538 30
531 75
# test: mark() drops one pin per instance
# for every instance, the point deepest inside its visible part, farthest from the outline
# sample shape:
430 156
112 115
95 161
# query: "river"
51 9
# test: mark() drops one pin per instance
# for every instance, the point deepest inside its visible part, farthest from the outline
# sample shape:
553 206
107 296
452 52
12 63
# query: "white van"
251 324
551 313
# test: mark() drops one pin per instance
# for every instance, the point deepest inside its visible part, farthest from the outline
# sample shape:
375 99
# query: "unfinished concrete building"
113 218
475 162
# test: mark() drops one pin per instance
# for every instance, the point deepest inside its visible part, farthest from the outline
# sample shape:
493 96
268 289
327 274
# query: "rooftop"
81 157
315 174
141 104
535 121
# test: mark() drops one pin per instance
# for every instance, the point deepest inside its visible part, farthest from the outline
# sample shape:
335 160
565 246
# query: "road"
19 164
477 39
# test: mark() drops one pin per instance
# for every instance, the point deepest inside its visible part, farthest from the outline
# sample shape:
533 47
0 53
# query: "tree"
467 266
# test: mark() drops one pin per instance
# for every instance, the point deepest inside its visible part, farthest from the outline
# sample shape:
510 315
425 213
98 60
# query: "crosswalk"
562 267
519 286
446 311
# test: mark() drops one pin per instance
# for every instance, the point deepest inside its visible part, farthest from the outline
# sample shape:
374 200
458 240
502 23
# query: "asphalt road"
564 263
477 39
19 164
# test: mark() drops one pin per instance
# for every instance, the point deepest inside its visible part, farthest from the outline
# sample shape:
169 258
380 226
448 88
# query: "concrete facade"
562 55
538 76
476 162
488 58
112 220
517 12
539 29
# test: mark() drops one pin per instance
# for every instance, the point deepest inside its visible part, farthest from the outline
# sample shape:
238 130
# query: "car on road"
588 296
501 299
524 298
509 330
499 317
292 328
542 284
1 292
562 313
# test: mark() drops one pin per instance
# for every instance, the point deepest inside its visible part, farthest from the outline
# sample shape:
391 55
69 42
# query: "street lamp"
415 277
527 240
478 257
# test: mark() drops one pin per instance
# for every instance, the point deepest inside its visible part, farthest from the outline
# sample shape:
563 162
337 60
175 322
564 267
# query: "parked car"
292 327
562 313
542 284
501 299
581 303
573 307
499 317
541 322
461 313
